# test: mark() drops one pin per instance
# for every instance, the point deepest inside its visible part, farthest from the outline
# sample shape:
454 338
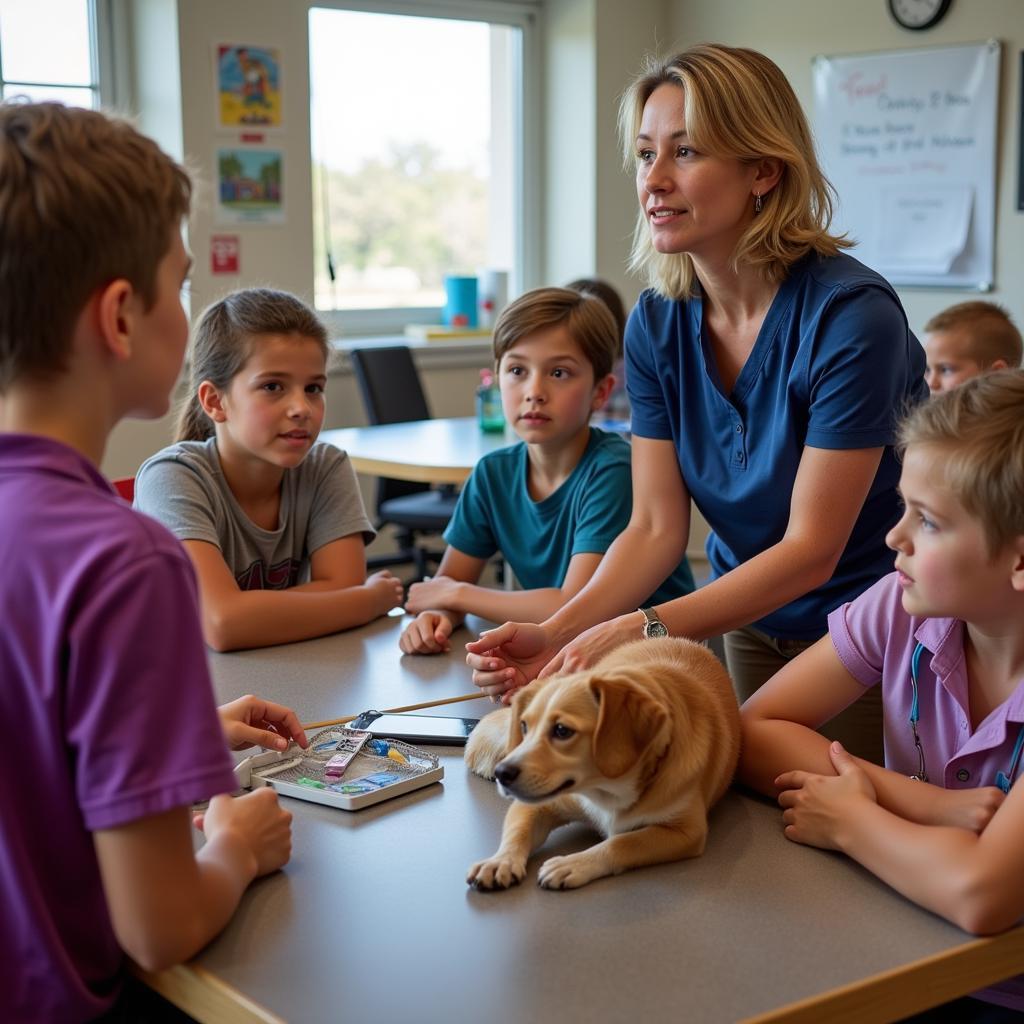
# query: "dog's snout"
506 774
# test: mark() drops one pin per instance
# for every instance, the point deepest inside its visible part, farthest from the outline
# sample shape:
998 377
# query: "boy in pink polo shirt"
944 635
110 730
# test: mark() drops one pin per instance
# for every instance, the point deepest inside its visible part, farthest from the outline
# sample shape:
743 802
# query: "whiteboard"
908 139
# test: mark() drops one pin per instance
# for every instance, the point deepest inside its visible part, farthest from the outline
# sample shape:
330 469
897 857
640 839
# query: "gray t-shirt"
184 488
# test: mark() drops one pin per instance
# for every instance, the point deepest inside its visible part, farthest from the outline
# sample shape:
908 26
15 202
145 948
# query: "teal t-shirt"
538 538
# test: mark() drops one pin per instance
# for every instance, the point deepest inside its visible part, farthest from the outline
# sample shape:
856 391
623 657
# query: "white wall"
791 32
591 49
271 255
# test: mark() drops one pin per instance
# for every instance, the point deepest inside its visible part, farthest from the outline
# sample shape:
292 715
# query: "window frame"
104 69
527 133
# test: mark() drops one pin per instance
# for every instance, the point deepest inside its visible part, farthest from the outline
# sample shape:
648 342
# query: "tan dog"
640 747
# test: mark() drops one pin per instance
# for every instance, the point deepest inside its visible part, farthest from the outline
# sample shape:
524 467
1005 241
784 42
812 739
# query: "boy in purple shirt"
110 726
944 635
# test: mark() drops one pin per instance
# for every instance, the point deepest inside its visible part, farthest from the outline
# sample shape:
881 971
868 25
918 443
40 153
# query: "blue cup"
460 301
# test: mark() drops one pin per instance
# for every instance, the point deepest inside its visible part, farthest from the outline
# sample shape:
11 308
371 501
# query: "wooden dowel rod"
396 711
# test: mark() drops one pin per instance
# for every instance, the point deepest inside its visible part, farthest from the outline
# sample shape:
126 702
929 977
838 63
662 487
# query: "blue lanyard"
1003 779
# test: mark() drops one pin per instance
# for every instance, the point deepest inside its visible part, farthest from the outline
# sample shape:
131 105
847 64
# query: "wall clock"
918 14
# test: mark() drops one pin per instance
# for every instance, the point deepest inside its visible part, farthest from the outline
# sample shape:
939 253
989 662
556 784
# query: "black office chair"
391 391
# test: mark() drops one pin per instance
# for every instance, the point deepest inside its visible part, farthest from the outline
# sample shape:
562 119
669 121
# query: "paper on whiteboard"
908 139
923 230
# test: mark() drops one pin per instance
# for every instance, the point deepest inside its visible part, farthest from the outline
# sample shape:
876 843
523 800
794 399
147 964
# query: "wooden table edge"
880 999
205 996
910 988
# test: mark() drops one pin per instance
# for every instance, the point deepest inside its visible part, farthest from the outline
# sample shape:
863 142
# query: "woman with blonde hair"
766 369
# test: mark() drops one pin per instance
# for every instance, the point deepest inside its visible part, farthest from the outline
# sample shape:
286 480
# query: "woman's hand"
428 633
385 591
593 644
509 657
439 592
818 806
251 721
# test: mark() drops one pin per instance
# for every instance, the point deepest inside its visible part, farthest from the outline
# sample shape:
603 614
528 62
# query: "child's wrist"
457 604
230 847
852 824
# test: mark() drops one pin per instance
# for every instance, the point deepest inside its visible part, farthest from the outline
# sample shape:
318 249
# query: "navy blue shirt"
538 538
834 366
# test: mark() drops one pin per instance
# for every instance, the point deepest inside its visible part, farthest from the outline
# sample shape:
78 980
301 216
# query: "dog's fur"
640 747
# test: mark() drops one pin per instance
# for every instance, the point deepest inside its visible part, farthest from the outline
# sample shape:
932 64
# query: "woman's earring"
758 202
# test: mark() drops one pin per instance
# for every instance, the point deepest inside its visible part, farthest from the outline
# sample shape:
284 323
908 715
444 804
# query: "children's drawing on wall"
249 188
248 86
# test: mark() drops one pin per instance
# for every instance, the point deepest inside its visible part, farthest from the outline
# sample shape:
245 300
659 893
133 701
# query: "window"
418 158
48 51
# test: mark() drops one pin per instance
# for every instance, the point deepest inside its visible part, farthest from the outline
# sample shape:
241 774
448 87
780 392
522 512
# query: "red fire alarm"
224 254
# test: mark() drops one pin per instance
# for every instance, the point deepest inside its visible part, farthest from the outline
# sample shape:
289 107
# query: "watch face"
918 14
655 629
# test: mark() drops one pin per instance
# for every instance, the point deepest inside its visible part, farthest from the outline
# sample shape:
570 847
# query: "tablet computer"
415 728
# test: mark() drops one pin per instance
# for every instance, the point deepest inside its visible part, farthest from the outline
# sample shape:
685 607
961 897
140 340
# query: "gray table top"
372 919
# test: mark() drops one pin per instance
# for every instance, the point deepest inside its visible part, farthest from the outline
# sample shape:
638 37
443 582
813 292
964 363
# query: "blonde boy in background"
552 504
968 339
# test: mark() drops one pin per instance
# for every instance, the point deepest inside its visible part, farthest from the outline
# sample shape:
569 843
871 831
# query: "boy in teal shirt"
553 504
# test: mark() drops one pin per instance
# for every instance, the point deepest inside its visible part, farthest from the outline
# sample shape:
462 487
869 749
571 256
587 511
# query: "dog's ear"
520 702
628 722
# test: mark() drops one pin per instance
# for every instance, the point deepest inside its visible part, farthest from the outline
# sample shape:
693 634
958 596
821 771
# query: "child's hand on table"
818 806
257 820
428 633
251 721
429 594
385 591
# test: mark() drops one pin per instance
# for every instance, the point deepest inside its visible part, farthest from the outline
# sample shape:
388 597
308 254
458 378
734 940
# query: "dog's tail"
488 743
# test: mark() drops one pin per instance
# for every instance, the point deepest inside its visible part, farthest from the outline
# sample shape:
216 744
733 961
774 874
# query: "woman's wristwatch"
653 626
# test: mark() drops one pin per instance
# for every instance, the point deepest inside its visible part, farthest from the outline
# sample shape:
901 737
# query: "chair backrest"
125 486
390 387
389 384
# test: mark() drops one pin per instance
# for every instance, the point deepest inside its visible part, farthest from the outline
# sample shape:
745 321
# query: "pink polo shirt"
875 640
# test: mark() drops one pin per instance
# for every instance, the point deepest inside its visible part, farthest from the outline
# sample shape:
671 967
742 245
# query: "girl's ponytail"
193 423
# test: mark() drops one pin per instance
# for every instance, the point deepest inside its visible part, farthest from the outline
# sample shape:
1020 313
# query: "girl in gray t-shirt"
273 522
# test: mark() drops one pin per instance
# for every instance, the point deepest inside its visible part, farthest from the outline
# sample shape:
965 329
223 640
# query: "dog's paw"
496 873
569 872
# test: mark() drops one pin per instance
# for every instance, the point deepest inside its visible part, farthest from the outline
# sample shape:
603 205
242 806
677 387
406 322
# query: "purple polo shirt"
107 709
875 640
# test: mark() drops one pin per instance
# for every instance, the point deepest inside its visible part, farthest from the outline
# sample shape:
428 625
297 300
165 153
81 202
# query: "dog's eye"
522 727
562 732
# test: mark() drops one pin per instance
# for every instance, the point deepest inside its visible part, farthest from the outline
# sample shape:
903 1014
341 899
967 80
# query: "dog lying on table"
640 747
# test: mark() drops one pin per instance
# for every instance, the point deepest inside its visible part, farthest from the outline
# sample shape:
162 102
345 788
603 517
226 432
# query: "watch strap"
653 626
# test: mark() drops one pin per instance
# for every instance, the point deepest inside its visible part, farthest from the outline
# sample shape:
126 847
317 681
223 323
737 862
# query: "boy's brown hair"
979 426
609 295
588 320
993 335
84 200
